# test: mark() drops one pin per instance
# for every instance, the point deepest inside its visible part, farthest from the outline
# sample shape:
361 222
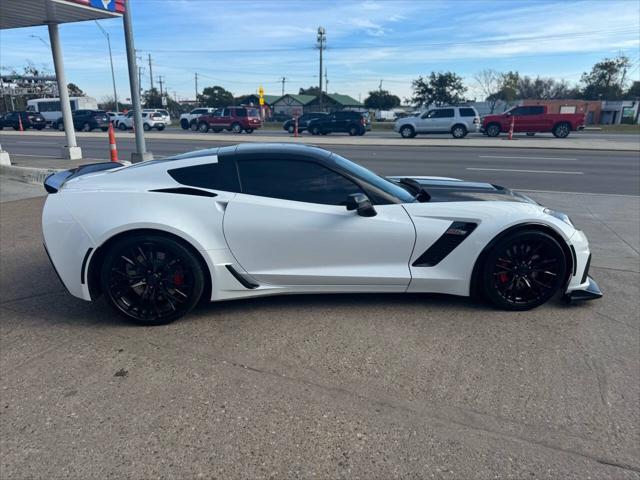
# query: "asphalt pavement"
328 386
582 170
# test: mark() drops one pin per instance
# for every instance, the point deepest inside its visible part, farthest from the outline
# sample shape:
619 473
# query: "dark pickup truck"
532 119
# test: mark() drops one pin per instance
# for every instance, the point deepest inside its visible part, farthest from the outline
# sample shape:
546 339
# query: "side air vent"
186 191
454 236
243 281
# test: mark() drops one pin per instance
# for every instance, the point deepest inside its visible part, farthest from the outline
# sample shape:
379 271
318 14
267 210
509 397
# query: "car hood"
444 189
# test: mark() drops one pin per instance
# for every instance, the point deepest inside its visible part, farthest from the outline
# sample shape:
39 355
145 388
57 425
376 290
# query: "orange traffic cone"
513 121
20 127
112 144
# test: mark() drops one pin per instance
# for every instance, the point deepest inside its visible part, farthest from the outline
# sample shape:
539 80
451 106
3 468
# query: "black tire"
146 127
523 270
459 131
353 130
122 126
407 131
291 129
151 279
104 129
530 134
236 128
86 127
561 130
40 128
203 127
249 130
315 131
493 130
160 128
184 123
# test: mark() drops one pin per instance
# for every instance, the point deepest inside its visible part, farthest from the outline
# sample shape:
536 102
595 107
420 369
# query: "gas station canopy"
21 13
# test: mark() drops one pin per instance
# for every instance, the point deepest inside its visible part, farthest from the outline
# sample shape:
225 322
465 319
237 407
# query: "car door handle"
221 205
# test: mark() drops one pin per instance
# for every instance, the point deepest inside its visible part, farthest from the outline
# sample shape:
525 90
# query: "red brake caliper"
503 277
178 278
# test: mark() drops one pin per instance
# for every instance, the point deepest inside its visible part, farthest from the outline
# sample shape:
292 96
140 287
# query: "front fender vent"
450 239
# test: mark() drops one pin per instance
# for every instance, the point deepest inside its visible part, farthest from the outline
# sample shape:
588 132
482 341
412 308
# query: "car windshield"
374 179
252 112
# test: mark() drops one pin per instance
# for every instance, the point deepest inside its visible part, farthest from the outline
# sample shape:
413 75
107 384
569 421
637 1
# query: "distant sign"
116 6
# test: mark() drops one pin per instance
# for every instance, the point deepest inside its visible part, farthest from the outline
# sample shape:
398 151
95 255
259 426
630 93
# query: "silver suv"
458 121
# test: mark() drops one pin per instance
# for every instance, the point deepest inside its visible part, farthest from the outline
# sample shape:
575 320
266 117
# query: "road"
526 169
323 387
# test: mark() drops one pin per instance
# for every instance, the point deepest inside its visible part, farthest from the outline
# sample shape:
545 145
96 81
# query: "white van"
49 108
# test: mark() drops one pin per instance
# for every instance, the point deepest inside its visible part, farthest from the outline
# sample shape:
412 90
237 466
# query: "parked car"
28 119
189 120
150 120
86 120
298 219
346 121
114 117
234 119
303 122
458 121
280 117
533 119
164 114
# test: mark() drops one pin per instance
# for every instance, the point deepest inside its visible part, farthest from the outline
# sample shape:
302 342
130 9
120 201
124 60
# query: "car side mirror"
361 203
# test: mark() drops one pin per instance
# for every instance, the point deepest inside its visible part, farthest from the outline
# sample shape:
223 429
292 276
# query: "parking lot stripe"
526 171
527 158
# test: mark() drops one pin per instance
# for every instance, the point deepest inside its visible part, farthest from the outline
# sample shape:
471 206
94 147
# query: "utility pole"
150 72
283 82
196 89
160 81
113 77
322 39
380 86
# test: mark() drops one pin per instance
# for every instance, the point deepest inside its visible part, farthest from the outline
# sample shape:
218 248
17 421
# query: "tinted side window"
444 113
467 112
240 112
520 111
538 110
209 175
295 180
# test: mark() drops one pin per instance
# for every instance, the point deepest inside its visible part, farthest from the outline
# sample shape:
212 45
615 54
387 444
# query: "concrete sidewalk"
500 142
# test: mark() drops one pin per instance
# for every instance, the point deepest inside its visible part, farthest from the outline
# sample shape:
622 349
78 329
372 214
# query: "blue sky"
243 44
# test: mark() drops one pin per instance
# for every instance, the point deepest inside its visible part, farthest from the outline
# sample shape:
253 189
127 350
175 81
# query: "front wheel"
203 127
524 270
530 134
353 130
561 130
86 127
291 129
236 128
493 130
160 128
151 279
249 130
122 126
407 131
315 131
184 123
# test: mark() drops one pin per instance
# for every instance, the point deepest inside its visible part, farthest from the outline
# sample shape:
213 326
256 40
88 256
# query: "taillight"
476 120
363 121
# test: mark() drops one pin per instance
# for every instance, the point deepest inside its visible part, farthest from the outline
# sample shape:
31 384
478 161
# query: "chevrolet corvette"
155 238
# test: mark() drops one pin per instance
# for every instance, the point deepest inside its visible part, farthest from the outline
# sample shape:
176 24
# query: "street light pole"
113 76
321 42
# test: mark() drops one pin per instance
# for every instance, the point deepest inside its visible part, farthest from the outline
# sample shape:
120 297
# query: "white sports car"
264 219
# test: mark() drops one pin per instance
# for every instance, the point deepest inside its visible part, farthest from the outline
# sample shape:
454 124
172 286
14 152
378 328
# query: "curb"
566 144
31 175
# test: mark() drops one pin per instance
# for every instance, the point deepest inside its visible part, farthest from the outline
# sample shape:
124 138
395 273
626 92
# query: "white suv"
458 121
166 118
149 120
189 120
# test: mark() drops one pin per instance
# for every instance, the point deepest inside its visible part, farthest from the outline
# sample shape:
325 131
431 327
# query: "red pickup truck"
533 119
235 119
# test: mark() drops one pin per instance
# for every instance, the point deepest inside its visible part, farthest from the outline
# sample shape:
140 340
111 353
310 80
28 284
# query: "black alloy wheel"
151 280
524 270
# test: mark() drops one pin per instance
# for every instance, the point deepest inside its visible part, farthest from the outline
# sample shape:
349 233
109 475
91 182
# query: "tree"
74 90
381 100
315 91
490 82
216 97
607 79
439 89
634 91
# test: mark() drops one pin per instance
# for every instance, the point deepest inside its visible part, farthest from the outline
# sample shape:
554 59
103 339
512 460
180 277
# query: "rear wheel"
561 130
493 130
459 131
160 127
146 127
203 127
291 129
184 123
353 130
530 134
151 279
407 131
249 130
60 126
122 126
315 131
86 127
524 270
236 128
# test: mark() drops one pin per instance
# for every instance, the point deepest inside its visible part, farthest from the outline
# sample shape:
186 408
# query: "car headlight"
560 216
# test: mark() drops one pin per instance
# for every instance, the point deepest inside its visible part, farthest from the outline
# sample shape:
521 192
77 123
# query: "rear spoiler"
55 181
